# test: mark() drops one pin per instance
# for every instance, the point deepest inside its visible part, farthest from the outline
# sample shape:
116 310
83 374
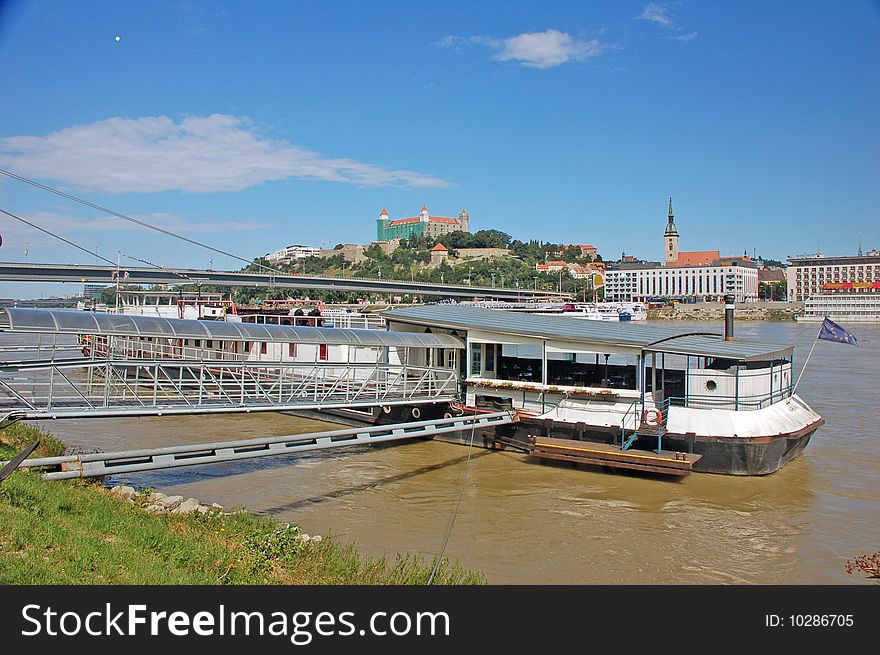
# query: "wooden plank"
612 453
613 464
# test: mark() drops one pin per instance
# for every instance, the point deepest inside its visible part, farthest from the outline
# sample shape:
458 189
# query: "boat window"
291 349
490 357
322 352
247 346
264 347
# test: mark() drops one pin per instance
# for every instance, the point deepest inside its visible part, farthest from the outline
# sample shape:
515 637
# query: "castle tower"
671 238
465 220
382 226
423 215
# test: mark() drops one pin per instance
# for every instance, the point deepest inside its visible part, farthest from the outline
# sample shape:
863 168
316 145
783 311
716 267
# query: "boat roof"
626 334
66 321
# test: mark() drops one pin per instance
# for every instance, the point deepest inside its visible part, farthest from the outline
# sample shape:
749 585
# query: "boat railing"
738 403
652 422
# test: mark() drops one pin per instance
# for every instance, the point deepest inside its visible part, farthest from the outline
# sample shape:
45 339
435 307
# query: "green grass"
19 435
77 532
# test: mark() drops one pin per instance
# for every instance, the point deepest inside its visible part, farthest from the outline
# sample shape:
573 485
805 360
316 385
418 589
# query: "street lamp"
470 282
493 280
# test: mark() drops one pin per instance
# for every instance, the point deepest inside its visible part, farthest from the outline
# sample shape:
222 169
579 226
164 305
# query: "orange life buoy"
654 414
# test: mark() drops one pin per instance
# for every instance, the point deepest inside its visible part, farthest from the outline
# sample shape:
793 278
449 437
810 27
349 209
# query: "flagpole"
807 360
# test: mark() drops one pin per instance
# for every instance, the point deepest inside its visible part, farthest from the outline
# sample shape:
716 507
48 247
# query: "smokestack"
728 317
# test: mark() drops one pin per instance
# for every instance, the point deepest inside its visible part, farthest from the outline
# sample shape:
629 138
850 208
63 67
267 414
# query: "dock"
602 454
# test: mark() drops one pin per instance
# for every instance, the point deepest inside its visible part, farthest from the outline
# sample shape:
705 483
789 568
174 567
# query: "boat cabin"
532 362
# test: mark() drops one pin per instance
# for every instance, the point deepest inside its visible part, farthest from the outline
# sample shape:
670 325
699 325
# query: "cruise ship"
843 308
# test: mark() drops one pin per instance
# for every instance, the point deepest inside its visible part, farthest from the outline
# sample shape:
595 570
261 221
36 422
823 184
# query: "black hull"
721 455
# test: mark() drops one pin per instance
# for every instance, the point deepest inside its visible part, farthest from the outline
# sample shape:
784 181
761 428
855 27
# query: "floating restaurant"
727 404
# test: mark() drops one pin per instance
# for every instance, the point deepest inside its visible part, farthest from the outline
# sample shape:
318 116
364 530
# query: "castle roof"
439 248
431 219
384 212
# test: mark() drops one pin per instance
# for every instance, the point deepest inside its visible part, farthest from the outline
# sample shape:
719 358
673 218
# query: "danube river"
521 522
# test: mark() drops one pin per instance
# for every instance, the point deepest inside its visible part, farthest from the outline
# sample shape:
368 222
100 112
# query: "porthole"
711 385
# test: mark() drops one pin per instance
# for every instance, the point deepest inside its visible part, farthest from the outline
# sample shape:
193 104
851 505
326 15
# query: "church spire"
671 230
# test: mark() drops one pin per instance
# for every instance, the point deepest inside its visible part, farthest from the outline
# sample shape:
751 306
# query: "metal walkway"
80 466
149 366
131 387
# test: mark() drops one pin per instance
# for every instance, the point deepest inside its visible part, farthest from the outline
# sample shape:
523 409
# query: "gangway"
98 464
150 366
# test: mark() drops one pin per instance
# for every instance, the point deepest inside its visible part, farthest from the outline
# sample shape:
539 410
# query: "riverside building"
687 275
812 275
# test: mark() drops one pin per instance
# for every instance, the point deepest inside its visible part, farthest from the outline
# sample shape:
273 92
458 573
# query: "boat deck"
601 454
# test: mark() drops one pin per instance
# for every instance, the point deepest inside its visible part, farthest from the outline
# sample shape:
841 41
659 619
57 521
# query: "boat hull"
721 455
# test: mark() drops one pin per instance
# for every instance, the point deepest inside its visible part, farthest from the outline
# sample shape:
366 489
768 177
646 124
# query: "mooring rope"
457 504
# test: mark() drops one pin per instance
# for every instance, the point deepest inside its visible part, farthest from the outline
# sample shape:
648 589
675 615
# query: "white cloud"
534 49
201 154
690 36
657 13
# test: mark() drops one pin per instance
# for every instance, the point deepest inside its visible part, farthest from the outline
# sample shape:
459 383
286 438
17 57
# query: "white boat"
607 311
600 311
847 308
727 403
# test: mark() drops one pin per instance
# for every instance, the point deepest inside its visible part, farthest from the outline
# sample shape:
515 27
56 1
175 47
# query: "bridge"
18 272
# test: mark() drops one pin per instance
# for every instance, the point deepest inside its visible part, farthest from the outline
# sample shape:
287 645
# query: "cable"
457 504
161 268
57 236
125 217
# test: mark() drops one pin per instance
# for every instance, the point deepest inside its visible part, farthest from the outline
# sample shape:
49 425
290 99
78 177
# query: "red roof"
439 248
384 212
403 221
431 219
696 258
424 208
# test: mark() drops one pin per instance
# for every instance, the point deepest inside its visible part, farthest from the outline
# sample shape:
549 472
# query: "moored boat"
730 401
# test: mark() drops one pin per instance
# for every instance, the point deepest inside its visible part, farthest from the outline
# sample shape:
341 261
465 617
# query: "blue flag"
831 331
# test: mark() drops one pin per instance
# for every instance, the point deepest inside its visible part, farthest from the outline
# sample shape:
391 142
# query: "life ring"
386 409
652 417
416 413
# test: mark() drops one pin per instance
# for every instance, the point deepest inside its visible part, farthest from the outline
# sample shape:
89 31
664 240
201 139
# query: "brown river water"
522 522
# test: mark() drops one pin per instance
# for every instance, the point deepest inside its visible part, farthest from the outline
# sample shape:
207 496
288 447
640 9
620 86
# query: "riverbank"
79 532
759 311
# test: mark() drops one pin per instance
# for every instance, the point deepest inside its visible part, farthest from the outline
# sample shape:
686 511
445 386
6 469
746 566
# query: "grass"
77 532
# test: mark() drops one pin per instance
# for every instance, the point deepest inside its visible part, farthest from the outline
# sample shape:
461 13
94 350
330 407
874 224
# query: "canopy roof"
590 334
66 321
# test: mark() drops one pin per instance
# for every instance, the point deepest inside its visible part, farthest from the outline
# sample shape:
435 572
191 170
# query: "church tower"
671 238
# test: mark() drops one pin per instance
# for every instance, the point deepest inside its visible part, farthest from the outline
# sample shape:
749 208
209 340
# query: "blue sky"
256 125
